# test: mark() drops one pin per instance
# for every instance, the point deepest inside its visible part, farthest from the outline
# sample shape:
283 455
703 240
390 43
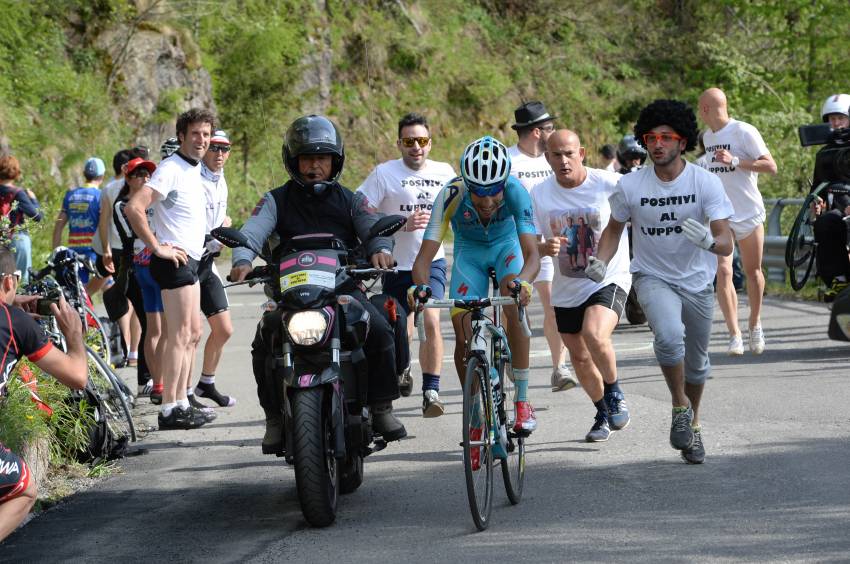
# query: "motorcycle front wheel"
316 476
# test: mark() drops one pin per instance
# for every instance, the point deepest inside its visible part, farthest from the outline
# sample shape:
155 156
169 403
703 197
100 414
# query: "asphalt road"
774 486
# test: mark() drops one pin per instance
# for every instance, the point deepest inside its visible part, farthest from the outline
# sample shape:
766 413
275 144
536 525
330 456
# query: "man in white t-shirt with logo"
176 193
680 221
586 311
408 186
736 153
534 125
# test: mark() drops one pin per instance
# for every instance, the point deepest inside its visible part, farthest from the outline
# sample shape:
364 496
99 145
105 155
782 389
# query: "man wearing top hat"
529 166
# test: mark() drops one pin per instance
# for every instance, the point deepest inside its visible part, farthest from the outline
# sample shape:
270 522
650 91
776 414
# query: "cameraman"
20 335
831 228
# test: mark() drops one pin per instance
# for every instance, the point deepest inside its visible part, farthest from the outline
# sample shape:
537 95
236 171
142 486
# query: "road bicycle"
488 382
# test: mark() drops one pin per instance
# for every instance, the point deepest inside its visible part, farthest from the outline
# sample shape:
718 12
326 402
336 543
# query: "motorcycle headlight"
307 327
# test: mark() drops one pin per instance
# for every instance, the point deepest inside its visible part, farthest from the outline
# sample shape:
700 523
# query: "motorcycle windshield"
307 277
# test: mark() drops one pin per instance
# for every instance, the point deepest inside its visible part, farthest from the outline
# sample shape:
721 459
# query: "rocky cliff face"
156 74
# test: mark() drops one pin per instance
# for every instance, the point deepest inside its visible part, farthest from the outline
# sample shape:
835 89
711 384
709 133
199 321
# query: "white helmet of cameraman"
836 104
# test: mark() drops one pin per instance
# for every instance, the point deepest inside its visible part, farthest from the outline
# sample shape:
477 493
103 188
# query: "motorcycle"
319 354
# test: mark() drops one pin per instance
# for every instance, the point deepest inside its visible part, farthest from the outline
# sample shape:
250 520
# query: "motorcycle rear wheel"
316 470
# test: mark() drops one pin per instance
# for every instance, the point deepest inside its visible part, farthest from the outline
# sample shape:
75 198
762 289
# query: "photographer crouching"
832 226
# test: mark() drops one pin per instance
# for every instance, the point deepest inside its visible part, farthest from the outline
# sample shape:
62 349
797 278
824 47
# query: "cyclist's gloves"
519 285
419 294
595 269
698 234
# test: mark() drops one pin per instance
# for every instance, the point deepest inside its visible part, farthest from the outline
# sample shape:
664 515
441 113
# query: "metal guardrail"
774 241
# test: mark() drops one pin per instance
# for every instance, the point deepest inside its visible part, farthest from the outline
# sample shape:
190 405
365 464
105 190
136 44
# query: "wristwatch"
735 162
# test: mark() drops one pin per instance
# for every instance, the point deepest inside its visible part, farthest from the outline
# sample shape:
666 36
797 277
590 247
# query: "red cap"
137 162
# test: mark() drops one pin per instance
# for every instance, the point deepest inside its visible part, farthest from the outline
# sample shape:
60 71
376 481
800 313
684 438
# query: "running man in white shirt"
408 186
736 153
528 165
586 311
669 205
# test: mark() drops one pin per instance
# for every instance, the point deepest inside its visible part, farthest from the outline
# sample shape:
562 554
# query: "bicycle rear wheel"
109 390
801 248
513 467
479 476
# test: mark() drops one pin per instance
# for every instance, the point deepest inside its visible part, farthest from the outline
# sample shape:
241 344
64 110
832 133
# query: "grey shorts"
681 321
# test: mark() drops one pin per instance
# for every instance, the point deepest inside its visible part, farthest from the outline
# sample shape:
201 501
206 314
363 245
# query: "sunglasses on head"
220 148
409 141
665 138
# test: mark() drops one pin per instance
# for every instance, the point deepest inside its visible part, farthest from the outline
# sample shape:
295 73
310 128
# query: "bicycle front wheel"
109 390
513 467
96 336
477 442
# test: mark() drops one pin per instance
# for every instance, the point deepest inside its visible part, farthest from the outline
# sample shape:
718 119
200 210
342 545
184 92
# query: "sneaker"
207 413
736 346
681 434
431 404
600 430
834 289
562 379
180 418
405 383
156 398
385 423
756 340
526 421
618 412
146 388
209 391
475 453
695 454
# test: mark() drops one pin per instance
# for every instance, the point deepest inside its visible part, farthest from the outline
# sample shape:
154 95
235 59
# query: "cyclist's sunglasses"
485 191
409 141
220 148
664 138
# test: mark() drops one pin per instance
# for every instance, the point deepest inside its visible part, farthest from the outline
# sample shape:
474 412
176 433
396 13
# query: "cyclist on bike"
493 223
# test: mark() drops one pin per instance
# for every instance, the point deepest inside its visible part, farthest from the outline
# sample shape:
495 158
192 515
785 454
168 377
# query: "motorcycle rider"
313 201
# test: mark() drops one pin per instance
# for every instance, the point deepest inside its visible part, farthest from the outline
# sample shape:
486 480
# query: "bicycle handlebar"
470 305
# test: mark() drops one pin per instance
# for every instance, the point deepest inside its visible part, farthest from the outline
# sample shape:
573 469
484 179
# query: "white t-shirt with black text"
745 142
180 213
395 189
657 210
579 215
530 171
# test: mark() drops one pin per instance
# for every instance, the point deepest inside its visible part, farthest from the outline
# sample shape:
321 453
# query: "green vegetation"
466 65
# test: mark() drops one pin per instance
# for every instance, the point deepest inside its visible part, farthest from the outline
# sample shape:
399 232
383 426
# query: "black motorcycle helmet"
313 135
629 149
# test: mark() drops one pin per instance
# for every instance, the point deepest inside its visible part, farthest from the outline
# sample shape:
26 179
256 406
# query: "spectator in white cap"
214 303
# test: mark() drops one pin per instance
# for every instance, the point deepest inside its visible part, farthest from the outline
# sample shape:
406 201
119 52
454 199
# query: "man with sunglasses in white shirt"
408 186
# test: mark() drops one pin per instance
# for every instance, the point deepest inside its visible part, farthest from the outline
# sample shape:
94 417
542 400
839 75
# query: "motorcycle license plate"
312 277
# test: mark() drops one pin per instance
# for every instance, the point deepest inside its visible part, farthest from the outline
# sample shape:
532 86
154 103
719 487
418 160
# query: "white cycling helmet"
485 166
836 104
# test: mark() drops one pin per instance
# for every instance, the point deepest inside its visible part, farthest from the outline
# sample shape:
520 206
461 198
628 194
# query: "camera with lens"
42 306
832 164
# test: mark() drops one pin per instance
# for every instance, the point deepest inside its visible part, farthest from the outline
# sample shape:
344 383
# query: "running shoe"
736 346
431 404
618 412
681 434
695 454
562 379
756 340
600 430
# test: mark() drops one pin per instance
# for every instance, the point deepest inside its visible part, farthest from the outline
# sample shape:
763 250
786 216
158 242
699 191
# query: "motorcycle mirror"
387 225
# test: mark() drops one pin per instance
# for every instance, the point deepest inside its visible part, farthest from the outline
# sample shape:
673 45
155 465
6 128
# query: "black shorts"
570 319
213 296
170 277
117 257
14 475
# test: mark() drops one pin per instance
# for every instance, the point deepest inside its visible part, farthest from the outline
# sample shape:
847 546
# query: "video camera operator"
20 335
832 226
